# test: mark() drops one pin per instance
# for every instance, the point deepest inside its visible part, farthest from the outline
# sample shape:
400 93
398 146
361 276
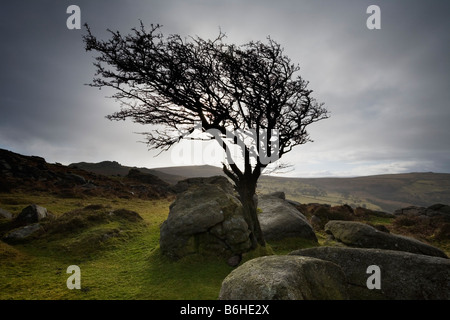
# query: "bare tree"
234 92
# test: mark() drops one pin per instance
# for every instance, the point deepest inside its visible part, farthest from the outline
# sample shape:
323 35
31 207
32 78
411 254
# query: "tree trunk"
246 190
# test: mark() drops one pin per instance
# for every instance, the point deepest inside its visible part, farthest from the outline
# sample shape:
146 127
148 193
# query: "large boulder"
285 278
32 214
206 218
279 219
356 234
403 275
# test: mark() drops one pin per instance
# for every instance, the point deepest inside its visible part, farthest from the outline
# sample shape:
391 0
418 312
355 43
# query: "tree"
248 95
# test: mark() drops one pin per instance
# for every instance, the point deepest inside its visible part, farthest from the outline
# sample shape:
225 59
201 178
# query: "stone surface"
431 211
411 211
32 214
234 260
285 278
22 232
220 181
4 214
279 220
316 222
356 234
403 275
278 194
206 218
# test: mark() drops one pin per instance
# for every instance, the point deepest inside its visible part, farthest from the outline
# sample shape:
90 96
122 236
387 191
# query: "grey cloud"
386 89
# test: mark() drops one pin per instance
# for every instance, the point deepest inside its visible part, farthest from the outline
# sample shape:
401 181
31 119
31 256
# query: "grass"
128 267
125 264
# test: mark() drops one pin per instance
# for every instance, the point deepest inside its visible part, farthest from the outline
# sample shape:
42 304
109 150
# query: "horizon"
280 175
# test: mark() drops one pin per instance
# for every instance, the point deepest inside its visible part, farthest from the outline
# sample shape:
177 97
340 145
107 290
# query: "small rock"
21 233
5 214
32 214
278 194
234 260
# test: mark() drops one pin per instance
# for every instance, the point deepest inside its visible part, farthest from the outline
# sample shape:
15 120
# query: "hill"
19 173
113 223
113 168
170 175
192 171
380 192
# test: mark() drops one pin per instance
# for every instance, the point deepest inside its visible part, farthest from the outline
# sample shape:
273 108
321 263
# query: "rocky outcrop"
356 234
279 219
436 210
25 173
206 218
285 278
320 214
403 275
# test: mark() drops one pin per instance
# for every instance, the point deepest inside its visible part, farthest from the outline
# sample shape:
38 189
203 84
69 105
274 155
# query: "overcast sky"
387 90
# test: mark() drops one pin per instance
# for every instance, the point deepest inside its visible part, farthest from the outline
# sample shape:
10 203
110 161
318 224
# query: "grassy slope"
123 268
131 269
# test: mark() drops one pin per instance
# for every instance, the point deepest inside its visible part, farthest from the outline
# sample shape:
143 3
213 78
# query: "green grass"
126 266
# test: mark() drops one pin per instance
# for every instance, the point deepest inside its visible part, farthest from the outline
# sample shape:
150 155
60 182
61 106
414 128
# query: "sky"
387 89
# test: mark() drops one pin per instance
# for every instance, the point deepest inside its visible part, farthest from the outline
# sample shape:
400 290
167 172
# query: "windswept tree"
249 95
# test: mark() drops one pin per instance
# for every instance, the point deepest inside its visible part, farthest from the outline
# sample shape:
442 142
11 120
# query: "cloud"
386 89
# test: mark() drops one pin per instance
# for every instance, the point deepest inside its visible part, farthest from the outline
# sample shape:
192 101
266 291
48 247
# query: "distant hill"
385 192
380 192
19 173
113 168
192 171
169 174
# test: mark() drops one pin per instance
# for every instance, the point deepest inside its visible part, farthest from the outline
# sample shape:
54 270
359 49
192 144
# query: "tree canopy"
236 92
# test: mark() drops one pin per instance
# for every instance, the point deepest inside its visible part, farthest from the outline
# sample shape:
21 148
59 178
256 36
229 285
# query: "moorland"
119 256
